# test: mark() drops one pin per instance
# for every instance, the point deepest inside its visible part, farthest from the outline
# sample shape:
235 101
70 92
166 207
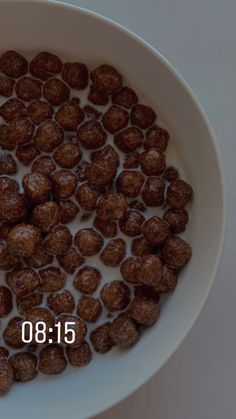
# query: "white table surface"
199 39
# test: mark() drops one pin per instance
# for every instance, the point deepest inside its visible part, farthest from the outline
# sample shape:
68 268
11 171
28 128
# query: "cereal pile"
47 130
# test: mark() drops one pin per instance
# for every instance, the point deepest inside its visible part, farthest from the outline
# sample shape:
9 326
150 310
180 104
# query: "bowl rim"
108 21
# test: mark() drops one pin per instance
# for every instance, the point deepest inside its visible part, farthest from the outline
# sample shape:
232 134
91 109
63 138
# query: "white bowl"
72 32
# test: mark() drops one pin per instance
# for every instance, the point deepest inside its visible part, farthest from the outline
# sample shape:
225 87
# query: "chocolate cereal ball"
131 161
171 174
24 239
75 75
24 366
67 155
48 136
113 253
176 252
78 326
70 260
20 130
8 185
44 165
39 259
64 183
91 112
141 247
4 353
45 65
26 153
28 89
168 281
156 230
56 92
8 260
12 334
68 211
89 308
37 188
5 301
131 223
130 182
41 314
79 356
178 194
91 135
61 302
52 360
108 154
106 227
112 206
153 192
86 197
150 272
106 77
11 109
145 307
4 229
6 376
129 139
129 269
100 338
22 281
13 64
12 207
51 279
25 303
81 171
70 114
87 280
58 241
115 119
177 220
7 164
124 332
4 226
142 116
39 111
88 241
125 97
6 143
137 205
153 162
45 216
100 173
97 95
6 86
115 295
157 137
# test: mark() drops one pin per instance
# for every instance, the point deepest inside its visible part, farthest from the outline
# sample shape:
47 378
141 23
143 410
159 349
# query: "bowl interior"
79 35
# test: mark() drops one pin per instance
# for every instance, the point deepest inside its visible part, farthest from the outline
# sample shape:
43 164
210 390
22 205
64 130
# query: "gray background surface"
199 39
